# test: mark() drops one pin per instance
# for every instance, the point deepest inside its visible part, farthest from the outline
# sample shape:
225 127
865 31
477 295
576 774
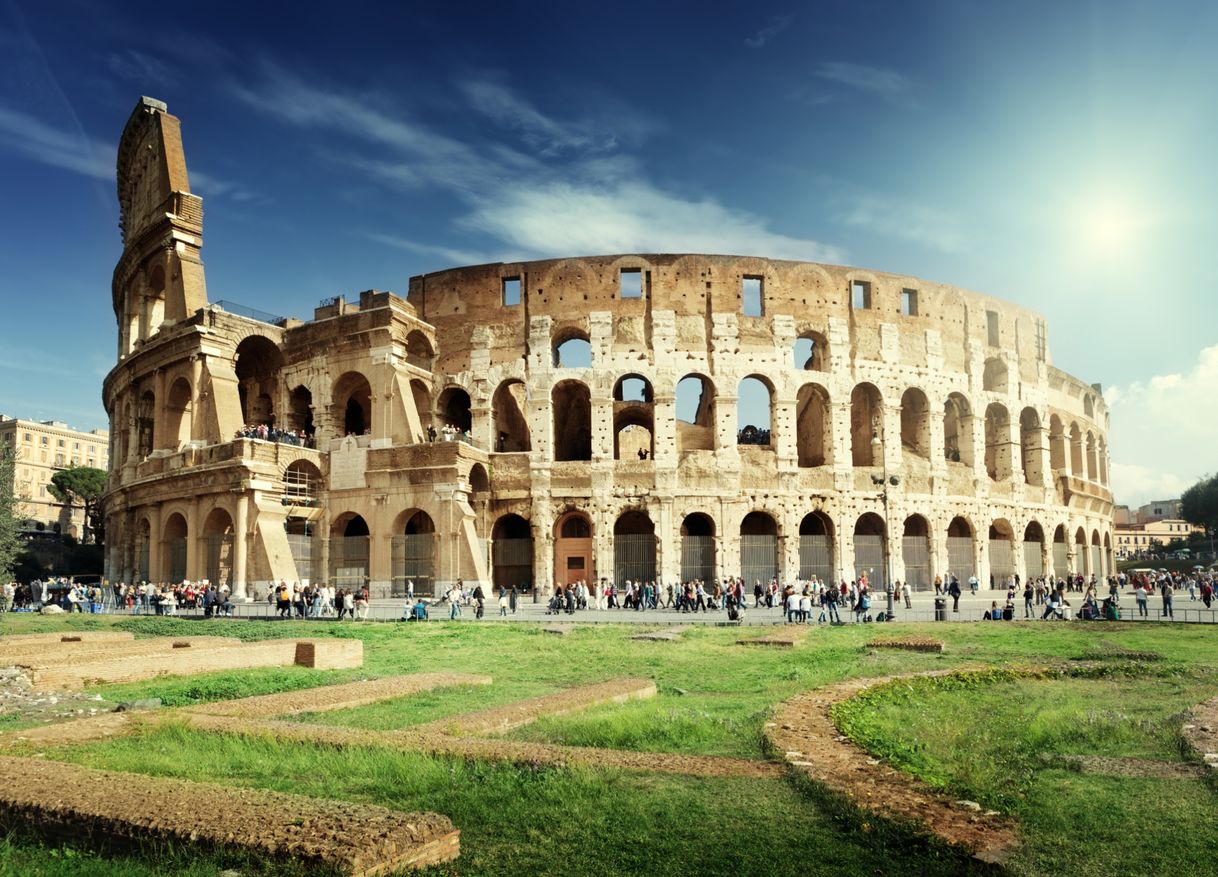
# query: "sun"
1108 225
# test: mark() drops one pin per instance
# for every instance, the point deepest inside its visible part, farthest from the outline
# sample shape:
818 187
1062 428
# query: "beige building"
632 416
41 448
1134 540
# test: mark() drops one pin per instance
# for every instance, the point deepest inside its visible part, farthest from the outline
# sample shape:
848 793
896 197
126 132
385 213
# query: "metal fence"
512 562
142 573
915 551
697 558
960 557
414 561
1033 560
758 558
869 559
1061 559
816 558
176 549
1002 562
349 561
1096 569
634 557
219 562
303 555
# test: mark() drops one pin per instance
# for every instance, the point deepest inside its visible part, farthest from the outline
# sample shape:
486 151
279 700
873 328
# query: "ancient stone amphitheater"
634 416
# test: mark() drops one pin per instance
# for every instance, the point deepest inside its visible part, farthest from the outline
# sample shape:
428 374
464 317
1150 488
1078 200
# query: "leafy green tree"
9 543
1199 504
83 486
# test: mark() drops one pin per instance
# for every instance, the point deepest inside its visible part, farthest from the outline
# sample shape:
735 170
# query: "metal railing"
240 310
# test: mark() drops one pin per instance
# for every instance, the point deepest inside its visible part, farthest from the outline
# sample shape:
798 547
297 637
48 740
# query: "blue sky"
1059 155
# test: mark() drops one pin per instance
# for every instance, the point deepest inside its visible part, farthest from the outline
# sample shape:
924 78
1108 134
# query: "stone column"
196 376
194 541
241 547
669 566
158 414
155 537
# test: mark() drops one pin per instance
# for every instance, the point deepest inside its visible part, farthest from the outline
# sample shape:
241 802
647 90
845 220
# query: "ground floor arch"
869 554
349 544
1002 553
634 548
698 548
758 548
1033 551
219 541
916 552
961 551
511 553
413 553
173 549
573 555
816 547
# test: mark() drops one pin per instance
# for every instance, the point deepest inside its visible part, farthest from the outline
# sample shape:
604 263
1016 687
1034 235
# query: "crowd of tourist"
265 433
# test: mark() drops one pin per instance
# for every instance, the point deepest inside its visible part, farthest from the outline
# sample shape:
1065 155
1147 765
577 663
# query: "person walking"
1029 595
953 591
1167 592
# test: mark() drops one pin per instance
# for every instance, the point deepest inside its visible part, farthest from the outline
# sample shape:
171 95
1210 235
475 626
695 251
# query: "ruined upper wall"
151 167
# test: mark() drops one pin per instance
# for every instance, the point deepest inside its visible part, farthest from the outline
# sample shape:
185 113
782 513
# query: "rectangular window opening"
631 280
1041 342
751 289
909 302
511 291
991 326
860 295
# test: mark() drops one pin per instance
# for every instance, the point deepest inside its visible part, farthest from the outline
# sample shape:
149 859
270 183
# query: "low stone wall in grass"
908 643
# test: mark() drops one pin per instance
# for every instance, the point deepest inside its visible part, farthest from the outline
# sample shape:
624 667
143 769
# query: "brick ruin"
634 416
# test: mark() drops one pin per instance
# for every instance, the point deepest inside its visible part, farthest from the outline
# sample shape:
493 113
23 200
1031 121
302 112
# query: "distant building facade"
41 448
1152 537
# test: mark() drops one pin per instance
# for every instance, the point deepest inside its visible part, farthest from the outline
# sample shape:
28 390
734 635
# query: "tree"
80 485
8 519
1199 504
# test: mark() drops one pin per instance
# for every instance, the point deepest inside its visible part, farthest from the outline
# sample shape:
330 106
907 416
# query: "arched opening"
697 548
1031 446
915 423
1033 551
1076 451
811 352
958 430
816 547
353 404
812 432
219 538
511 426
173 549
573 549
414 552
758 548
1097 559
572 349
571 403
1092 466
418 350
1082 558
961 558
695 408
1089 406
869 536
179 414
866 426
754 412
1057 445
349 538
152 312
997 442
479 481
1061 551
1108 558
454 406
915 551
302 484
633 419
994 379
257 367
421 395
634 548
300 411
512 553
1002 553
145 423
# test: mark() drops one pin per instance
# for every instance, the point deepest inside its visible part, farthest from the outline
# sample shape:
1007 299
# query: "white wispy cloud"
1162 431
36 140
896 218
449 255
141 67
888 84
586 198
774 26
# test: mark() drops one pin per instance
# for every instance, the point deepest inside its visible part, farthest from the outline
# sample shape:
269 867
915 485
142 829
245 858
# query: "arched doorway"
571 404
257 368
1097 560
915 424
219 537
997 442
349 551
869 535
958 430
414 553
353 404
1030 446
573 549
173 552
300 404
1033 551
697 548
455 409
915 551
695 410
1081 558
866 426
511 426
758 548
178 414
812 425
755 412
1002 553
961 559
512 553
1061 551
816 547
634 548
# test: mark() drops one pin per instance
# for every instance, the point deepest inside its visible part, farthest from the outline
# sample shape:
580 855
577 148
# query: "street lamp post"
883 481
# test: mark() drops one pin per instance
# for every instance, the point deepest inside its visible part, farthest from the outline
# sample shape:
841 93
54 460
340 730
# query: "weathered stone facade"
890 399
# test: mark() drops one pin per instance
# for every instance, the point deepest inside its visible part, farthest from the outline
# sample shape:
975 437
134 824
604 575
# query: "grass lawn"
978 740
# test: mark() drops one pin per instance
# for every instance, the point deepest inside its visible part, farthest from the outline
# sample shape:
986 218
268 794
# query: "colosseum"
600 418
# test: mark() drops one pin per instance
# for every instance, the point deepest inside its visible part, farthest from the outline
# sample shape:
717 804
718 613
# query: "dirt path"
1202 731
803 730
785 637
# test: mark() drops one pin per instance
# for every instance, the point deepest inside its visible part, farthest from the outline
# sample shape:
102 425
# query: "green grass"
981 741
